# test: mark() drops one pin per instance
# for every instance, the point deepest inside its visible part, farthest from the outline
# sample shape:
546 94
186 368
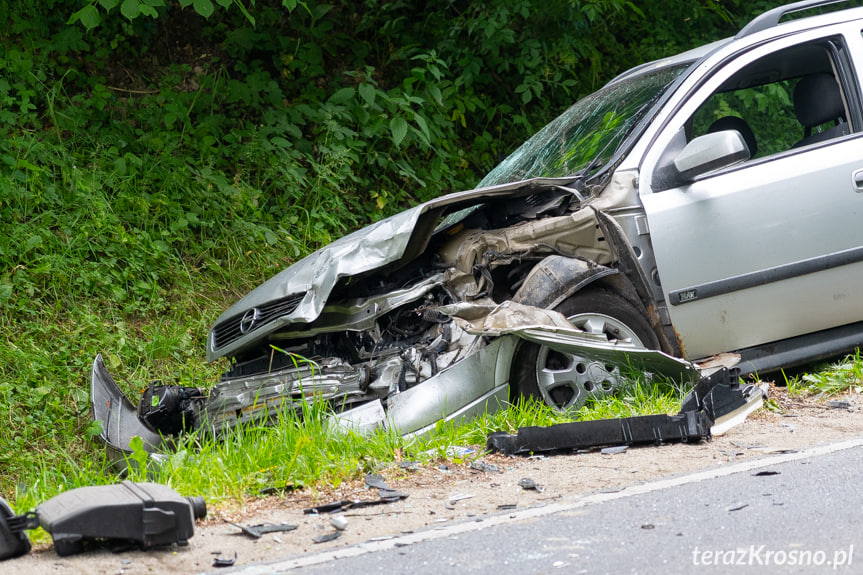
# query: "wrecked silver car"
658 222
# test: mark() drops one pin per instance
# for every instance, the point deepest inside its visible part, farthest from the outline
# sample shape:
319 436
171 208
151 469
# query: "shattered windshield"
588 133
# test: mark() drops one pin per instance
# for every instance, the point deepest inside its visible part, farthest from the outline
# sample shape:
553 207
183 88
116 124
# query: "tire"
565 381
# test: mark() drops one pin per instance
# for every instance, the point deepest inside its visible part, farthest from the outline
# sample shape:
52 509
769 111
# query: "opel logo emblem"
250 318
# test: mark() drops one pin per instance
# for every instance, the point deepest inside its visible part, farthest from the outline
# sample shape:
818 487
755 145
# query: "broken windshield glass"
588 133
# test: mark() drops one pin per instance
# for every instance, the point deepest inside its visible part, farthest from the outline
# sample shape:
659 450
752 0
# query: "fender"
556 278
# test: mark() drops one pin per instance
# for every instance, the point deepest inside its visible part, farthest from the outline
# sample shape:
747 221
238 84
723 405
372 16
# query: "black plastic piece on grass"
711 398
690 426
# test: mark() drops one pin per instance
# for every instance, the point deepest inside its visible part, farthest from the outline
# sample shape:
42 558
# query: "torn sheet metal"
716 402
552 329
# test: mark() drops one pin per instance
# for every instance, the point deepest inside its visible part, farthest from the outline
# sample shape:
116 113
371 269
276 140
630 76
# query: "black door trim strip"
766 276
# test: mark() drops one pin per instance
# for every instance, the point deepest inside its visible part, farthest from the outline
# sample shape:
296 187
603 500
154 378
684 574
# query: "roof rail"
771 18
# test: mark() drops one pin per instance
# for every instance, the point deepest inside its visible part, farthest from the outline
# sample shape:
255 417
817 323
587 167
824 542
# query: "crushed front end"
386 325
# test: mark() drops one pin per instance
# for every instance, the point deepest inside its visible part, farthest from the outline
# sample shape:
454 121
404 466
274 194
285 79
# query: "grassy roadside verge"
303 450
299 451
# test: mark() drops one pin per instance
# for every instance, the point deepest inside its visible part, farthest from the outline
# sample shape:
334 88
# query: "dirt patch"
447 492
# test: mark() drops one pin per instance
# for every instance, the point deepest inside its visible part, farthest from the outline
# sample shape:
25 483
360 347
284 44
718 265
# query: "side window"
767 111
788 99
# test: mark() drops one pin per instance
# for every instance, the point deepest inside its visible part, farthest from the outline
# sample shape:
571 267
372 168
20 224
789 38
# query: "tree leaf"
399 128
89 16
436 95
204 7
367 93
108 4
424 128
342 96
131 9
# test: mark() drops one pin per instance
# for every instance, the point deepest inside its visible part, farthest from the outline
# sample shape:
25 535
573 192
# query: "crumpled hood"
402 236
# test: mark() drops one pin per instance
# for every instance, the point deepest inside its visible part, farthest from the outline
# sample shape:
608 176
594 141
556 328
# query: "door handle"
857 181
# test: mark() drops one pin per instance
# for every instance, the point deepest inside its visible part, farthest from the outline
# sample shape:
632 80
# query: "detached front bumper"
119 417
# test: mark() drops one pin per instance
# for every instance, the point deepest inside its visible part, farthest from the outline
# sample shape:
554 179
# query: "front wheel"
564 381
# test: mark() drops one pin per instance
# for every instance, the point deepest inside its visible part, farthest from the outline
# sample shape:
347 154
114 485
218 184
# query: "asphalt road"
799 513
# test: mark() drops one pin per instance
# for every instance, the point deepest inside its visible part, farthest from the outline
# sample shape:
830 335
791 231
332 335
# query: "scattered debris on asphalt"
257 531
346 504
385 492
765 473
375 481
331 536
225 561
529 484
453 499
614 450
484 467
340 522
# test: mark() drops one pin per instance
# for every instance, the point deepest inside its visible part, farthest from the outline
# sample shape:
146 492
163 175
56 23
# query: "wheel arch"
556 278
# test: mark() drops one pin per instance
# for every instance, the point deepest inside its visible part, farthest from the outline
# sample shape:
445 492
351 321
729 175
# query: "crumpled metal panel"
649 360
262 396
464 384
373 247
552 329
487 317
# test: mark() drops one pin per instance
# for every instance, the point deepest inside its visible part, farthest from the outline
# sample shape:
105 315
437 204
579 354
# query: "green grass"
830 379
302 449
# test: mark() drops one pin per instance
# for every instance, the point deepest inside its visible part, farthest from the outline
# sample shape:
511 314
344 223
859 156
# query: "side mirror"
708 153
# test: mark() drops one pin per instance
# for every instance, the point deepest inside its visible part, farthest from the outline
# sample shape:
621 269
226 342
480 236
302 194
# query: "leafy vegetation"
829 380
161 158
